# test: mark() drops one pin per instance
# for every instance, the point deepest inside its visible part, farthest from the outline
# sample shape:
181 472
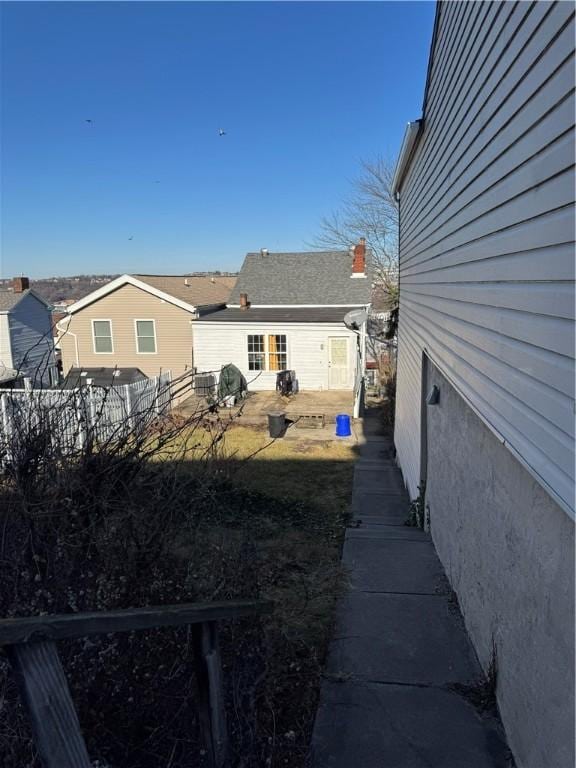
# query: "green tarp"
232 382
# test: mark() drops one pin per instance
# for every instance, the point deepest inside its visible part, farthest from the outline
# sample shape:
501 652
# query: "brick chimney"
20 284
359 259
244 303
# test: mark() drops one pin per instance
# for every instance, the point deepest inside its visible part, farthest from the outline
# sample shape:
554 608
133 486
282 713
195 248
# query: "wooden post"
45 691
209 676
30 643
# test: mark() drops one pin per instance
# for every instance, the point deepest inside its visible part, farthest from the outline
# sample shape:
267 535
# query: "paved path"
399 646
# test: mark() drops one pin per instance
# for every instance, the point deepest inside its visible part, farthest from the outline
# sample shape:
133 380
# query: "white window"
102 337
145 337
267 352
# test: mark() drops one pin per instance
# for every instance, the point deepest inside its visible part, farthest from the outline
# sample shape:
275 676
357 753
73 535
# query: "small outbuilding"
287 313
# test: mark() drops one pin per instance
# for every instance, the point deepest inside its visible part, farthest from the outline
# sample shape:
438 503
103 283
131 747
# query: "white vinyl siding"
216 344
145 331
487 231
102 337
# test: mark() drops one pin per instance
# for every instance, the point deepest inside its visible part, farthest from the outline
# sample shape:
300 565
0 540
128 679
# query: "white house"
485 391
287 312
26 343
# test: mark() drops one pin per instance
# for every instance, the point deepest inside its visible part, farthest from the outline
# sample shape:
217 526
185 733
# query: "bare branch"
369 211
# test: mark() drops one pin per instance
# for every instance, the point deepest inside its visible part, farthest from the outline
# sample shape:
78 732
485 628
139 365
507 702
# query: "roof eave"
130 280
406 153
411 136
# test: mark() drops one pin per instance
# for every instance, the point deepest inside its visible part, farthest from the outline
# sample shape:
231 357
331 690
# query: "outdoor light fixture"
434 396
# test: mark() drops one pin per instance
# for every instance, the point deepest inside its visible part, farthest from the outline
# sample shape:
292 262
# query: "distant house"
287 312
26 343
485 391
139 321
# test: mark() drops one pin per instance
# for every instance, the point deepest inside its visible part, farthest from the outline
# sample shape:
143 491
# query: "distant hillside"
56 289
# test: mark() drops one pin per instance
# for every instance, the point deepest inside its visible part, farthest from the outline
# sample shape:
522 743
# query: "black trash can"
276 424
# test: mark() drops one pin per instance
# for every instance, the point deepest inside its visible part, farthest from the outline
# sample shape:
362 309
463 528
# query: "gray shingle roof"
8 299
278 315
316 277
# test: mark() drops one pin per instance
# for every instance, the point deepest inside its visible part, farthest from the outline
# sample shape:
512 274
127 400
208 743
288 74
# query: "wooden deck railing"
30 644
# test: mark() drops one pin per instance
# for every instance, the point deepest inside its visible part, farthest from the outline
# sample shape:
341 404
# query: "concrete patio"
254 409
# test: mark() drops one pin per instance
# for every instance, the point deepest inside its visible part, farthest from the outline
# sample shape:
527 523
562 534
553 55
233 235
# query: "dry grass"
307 470
208 515
284 504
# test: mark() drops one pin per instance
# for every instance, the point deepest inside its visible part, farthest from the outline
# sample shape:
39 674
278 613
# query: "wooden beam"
45 691
212 712
213 661
60 626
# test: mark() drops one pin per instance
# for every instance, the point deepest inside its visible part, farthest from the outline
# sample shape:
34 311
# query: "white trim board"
129 280
339 326
295 306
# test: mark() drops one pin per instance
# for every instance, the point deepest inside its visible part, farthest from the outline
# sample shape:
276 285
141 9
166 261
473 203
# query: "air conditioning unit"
205 384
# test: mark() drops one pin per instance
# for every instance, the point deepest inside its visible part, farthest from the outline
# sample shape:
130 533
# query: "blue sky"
303 90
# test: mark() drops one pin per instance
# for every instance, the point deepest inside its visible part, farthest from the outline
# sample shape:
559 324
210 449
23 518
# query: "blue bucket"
343 425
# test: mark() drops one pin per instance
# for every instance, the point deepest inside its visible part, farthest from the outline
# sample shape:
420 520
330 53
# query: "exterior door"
338 363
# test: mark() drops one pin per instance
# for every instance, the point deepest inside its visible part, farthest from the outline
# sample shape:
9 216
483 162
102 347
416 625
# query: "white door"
338 363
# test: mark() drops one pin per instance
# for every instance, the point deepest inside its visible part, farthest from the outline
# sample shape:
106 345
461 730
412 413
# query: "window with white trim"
267 352
277 356
145 337
256 354
102 336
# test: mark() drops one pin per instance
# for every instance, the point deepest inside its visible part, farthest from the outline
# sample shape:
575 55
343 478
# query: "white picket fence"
70 417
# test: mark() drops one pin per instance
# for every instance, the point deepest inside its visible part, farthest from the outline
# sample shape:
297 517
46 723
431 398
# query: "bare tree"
369 211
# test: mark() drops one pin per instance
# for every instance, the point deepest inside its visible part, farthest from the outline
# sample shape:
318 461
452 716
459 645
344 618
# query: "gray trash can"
276 424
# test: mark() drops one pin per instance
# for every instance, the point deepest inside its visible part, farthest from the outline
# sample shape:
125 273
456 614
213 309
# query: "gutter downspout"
360 397
361 337
67 319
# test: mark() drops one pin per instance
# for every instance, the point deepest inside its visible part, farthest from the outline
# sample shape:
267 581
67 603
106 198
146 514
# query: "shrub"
131 522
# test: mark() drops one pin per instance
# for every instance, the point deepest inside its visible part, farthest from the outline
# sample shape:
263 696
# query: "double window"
144 331
267 352
102 337
145 337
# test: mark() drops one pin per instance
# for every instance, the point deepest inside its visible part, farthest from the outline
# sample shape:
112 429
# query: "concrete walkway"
387 700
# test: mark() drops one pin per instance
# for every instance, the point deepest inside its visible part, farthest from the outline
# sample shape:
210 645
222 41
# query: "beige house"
140 321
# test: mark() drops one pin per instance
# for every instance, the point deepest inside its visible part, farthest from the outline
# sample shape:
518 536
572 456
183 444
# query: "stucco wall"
508 550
